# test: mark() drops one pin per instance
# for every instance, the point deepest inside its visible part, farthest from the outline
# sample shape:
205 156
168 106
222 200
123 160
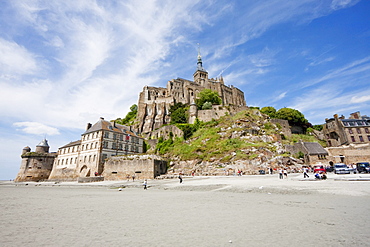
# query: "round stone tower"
43 147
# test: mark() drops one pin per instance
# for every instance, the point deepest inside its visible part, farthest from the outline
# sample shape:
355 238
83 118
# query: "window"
368 137
71 161
76 160
104 157
114 136
367 130
358 131
89 158
120 147
126 147
82 148
350 131
106 134
361 139
121 137
105 144
96 144
353 138
94 157
114 145
85 159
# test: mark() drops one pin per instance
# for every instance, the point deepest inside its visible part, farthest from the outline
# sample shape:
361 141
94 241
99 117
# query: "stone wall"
350 154
285 128
140 166
63 174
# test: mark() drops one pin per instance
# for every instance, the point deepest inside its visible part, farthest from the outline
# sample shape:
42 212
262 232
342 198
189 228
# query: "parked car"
341 168
319 169
363 167
329 168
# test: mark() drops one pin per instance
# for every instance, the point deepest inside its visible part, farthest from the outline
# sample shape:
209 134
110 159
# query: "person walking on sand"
305 172
145 184
133 178
180 179
280 173
285 173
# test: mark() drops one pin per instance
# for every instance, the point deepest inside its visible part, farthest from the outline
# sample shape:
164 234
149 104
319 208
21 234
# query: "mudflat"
202 211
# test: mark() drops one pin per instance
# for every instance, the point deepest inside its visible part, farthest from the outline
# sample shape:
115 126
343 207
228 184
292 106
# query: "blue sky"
66 63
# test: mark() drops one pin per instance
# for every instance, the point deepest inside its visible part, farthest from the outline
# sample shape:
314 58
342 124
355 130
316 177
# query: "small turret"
26 150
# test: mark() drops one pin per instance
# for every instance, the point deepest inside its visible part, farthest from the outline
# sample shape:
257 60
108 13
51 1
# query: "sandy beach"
203 211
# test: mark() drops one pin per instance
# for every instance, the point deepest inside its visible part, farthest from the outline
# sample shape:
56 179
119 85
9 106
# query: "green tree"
207 105
130 117
269 110
207 95
178 113
318 127
293 116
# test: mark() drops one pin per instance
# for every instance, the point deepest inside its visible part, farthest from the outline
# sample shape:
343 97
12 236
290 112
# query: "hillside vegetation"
245 136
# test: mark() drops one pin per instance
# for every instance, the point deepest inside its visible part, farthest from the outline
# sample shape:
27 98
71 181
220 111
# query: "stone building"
313 152
154 102
36 166
86 157
341 131
139 166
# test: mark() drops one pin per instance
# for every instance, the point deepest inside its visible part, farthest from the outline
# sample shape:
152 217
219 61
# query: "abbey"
154 102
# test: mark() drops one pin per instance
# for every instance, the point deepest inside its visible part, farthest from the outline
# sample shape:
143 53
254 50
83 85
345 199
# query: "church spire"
199 63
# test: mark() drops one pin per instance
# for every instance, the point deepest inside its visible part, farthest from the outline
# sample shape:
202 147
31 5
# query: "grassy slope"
217 140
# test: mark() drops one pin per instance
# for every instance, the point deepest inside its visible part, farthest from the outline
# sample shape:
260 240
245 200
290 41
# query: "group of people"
318 175
283 173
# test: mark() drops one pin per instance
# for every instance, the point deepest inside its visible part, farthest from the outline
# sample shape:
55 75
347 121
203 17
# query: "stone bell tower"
200 75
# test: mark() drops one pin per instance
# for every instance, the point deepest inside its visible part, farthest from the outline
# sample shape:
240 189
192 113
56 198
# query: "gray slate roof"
75 143
314 148
43 143
110 126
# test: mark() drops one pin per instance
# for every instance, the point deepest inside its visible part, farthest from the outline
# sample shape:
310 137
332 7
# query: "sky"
64 64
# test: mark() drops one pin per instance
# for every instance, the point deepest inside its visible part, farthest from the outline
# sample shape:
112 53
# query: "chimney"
88 126
355 115
101 118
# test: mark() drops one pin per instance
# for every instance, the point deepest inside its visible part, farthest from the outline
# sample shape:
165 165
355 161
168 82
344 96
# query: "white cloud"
339 4
281 96
361 99
352 69
318 62
15 59
36 128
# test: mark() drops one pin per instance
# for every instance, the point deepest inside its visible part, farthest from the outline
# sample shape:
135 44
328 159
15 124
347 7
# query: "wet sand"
207 211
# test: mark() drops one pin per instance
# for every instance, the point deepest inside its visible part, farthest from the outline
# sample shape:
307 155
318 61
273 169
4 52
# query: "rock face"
154 102
247 167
